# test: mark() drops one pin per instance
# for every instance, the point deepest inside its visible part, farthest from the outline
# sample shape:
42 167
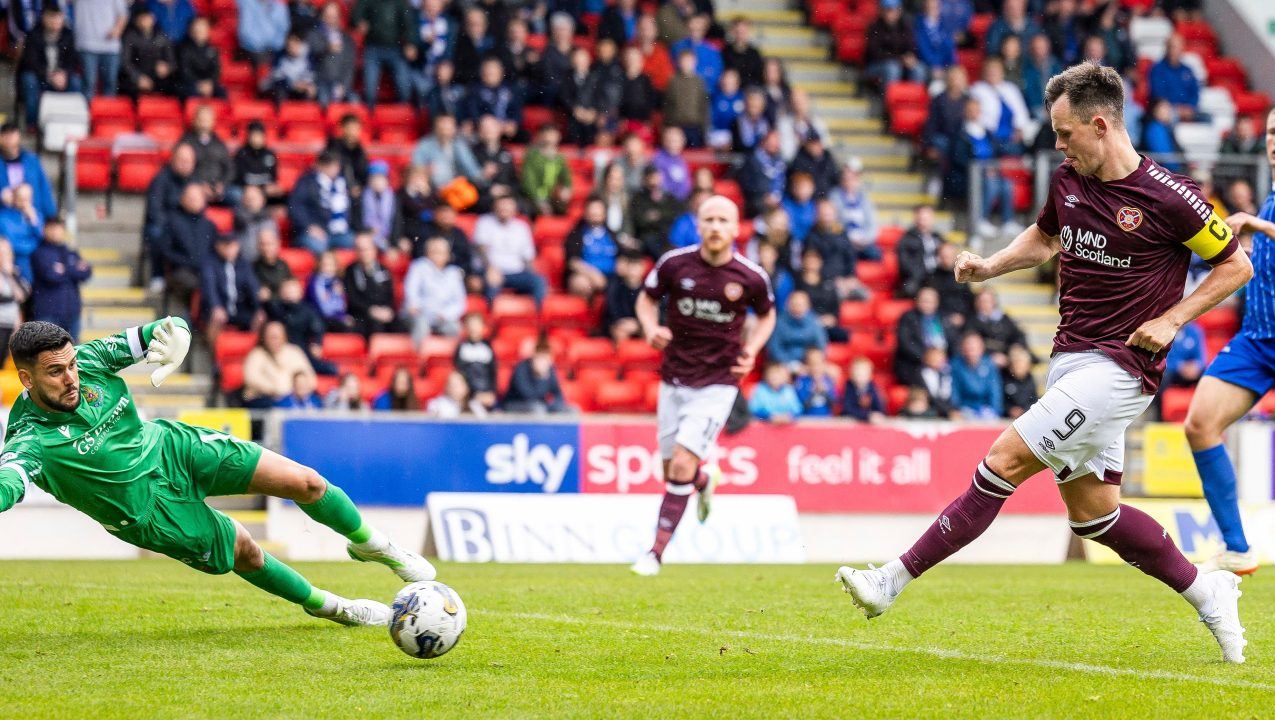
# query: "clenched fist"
970 267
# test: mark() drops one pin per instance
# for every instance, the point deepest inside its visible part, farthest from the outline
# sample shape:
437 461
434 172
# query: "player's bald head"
1089 89
719 204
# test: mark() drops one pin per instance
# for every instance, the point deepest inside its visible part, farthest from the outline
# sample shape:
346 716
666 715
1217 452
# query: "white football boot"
1240 563
409 566
647 565
1223 614
704 505
356 613
870 590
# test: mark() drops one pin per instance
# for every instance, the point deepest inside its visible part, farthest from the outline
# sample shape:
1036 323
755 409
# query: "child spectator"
751 124
674 170
292 77
591 250
775 399
400 395
348 395
534 387
454 400
816 386
863 400
935 377
476 361
379 203
303 395
800 205
917 406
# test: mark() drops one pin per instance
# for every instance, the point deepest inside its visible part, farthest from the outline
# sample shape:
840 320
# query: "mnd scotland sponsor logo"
1090 245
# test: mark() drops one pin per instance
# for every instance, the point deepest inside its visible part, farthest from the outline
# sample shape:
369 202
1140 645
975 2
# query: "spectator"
187 239
607 81
369 289
302 321
591 250
230 294
474 45
830 240
293 76
976 152
752 125
673 20
653 212
400 395
49 62
814 160
773 229
334 55
686 101
319 207
199 64
58 271
387 29
146 58
619 318
172 17
348 395
1242 141
774 399
708 59
674 170
763 177
519 58
799 203
657 63
303 395
824 300
263 27
1173 80
1158 140
1017 381
638 97
213 166
935 376
493 96
856 212
499 173
270 367
771 261
935 45
1037 69
546 177
946 117
1002 111
378 202
890 54
918 252
957 16
434 293
22 224
455 400
1011 55
862 398
816 385
577 94
741 55
14 291
326 292
348 149
555 64
446 157
614 197
778 92
163 199
921 328
462 252
505 242
1238 197
619 22
685 228
634 161
1186 361
534 387
798 126
269 269
416 209
956 300
917 406
1111 27
976 382
476 361
445 96
99 25
1013 20
19 166
256 165
797 329
998 330
726 106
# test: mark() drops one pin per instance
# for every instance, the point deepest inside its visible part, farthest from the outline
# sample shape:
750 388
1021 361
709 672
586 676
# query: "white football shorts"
692 417
1077 427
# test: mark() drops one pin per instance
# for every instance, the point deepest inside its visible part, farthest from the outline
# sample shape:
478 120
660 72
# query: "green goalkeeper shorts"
194 464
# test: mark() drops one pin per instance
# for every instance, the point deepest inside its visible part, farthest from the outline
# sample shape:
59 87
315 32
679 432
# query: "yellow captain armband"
1212 240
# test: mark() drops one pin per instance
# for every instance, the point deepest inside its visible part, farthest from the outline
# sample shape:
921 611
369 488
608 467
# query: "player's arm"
647 310
135 344
16 472
1244 222
757 340
1231 269
1031 248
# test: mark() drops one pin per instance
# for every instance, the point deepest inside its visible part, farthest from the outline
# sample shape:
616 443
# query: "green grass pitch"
152 639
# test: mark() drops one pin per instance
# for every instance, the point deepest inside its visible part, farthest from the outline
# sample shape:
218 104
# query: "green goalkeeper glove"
169 344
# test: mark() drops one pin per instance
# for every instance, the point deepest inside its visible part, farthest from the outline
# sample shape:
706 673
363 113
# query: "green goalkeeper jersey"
102 459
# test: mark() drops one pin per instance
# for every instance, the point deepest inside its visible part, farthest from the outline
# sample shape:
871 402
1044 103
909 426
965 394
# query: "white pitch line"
945 653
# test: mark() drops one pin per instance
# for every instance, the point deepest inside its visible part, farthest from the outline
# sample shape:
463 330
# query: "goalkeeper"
75 433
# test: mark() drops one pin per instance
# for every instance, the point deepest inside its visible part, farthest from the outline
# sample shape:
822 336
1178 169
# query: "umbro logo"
66 431
945 525
1072 200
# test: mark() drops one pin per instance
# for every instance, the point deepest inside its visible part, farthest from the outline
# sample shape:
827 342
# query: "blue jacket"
793 335
263 27
55 291
708 59
723 109
1000 30
816 403
683 233
935 46
978 387
189 239
23 237
1157 139
305 205
33 175
801 217
860 403
1188 347
217 292
1178 84
292 402
767 402
1034 79
173 19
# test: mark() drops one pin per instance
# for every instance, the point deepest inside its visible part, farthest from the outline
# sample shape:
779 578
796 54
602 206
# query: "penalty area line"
937 652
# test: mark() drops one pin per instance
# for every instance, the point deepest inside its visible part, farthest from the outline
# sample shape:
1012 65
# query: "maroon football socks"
1143 543
671 510
959 523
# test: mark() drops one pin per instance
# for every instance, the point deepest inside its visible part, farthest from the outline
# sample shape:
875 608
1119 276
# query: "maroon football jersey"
706 310
1126 245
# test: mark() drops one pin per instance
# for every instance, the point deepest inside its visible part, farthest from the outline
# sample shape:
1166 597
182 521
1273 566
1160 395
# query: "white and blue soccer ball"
428 619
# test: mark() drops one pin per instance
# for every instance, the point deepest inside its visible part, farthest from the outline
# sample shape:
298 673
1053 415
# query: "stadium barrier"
1193 528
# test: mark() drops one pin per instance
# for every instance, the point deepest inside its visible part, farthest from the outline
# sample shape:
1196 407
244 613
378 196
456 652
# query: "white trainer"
869 589
1240 563
357 613
647 565
1223 616
704 504
409 566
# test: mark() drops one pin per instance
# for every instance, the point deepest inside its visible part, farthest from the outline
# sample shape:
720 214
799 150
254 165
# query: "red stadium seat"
1221 70
888 238
135 169
876 275
1174 402
344 347
1251 103
223 218
508 349
300 261
980 24
165 131
591 352
220 107
857 316
391 349
638 355
292 111
551 230
102 108
232 346
1223 321
593 376
839 354
158 107
565 311
577 395
896 397
902 94
336 111
889 311
513 310
231 377
110 128
437 350
851 48
823 13
908 121
618 396
93 168
476 304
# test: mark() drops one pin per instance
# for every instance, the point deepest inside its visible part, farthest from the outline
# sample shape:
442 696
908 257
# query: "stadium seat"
1251 103
391 349
223 218
233 346
300 111
344 347
839 354
876 275
903 94
508 350
636 354
1174 403
908 121
158 107
577 395
164 131
300 261
103 108
889 311
592 352
231 377
437 350
595 375
513 310
135 169
1223 321
93 168
551 230
221 110
823 13
851 48
336 111
476 305
111 128
857 316
896 396
618 396
561 310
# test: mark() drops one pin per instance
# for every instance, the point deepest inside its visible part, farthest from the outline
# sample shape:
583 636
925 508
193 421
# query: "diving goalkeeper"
75 433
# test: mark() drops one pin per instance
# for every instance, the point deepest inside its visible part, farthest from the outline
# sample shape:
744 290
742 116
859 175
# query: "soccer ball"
428 619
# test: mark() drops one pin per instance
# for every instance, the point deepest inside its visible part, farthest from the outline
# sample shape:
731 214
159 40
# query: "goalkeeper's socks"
376 541
337 511
277 578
